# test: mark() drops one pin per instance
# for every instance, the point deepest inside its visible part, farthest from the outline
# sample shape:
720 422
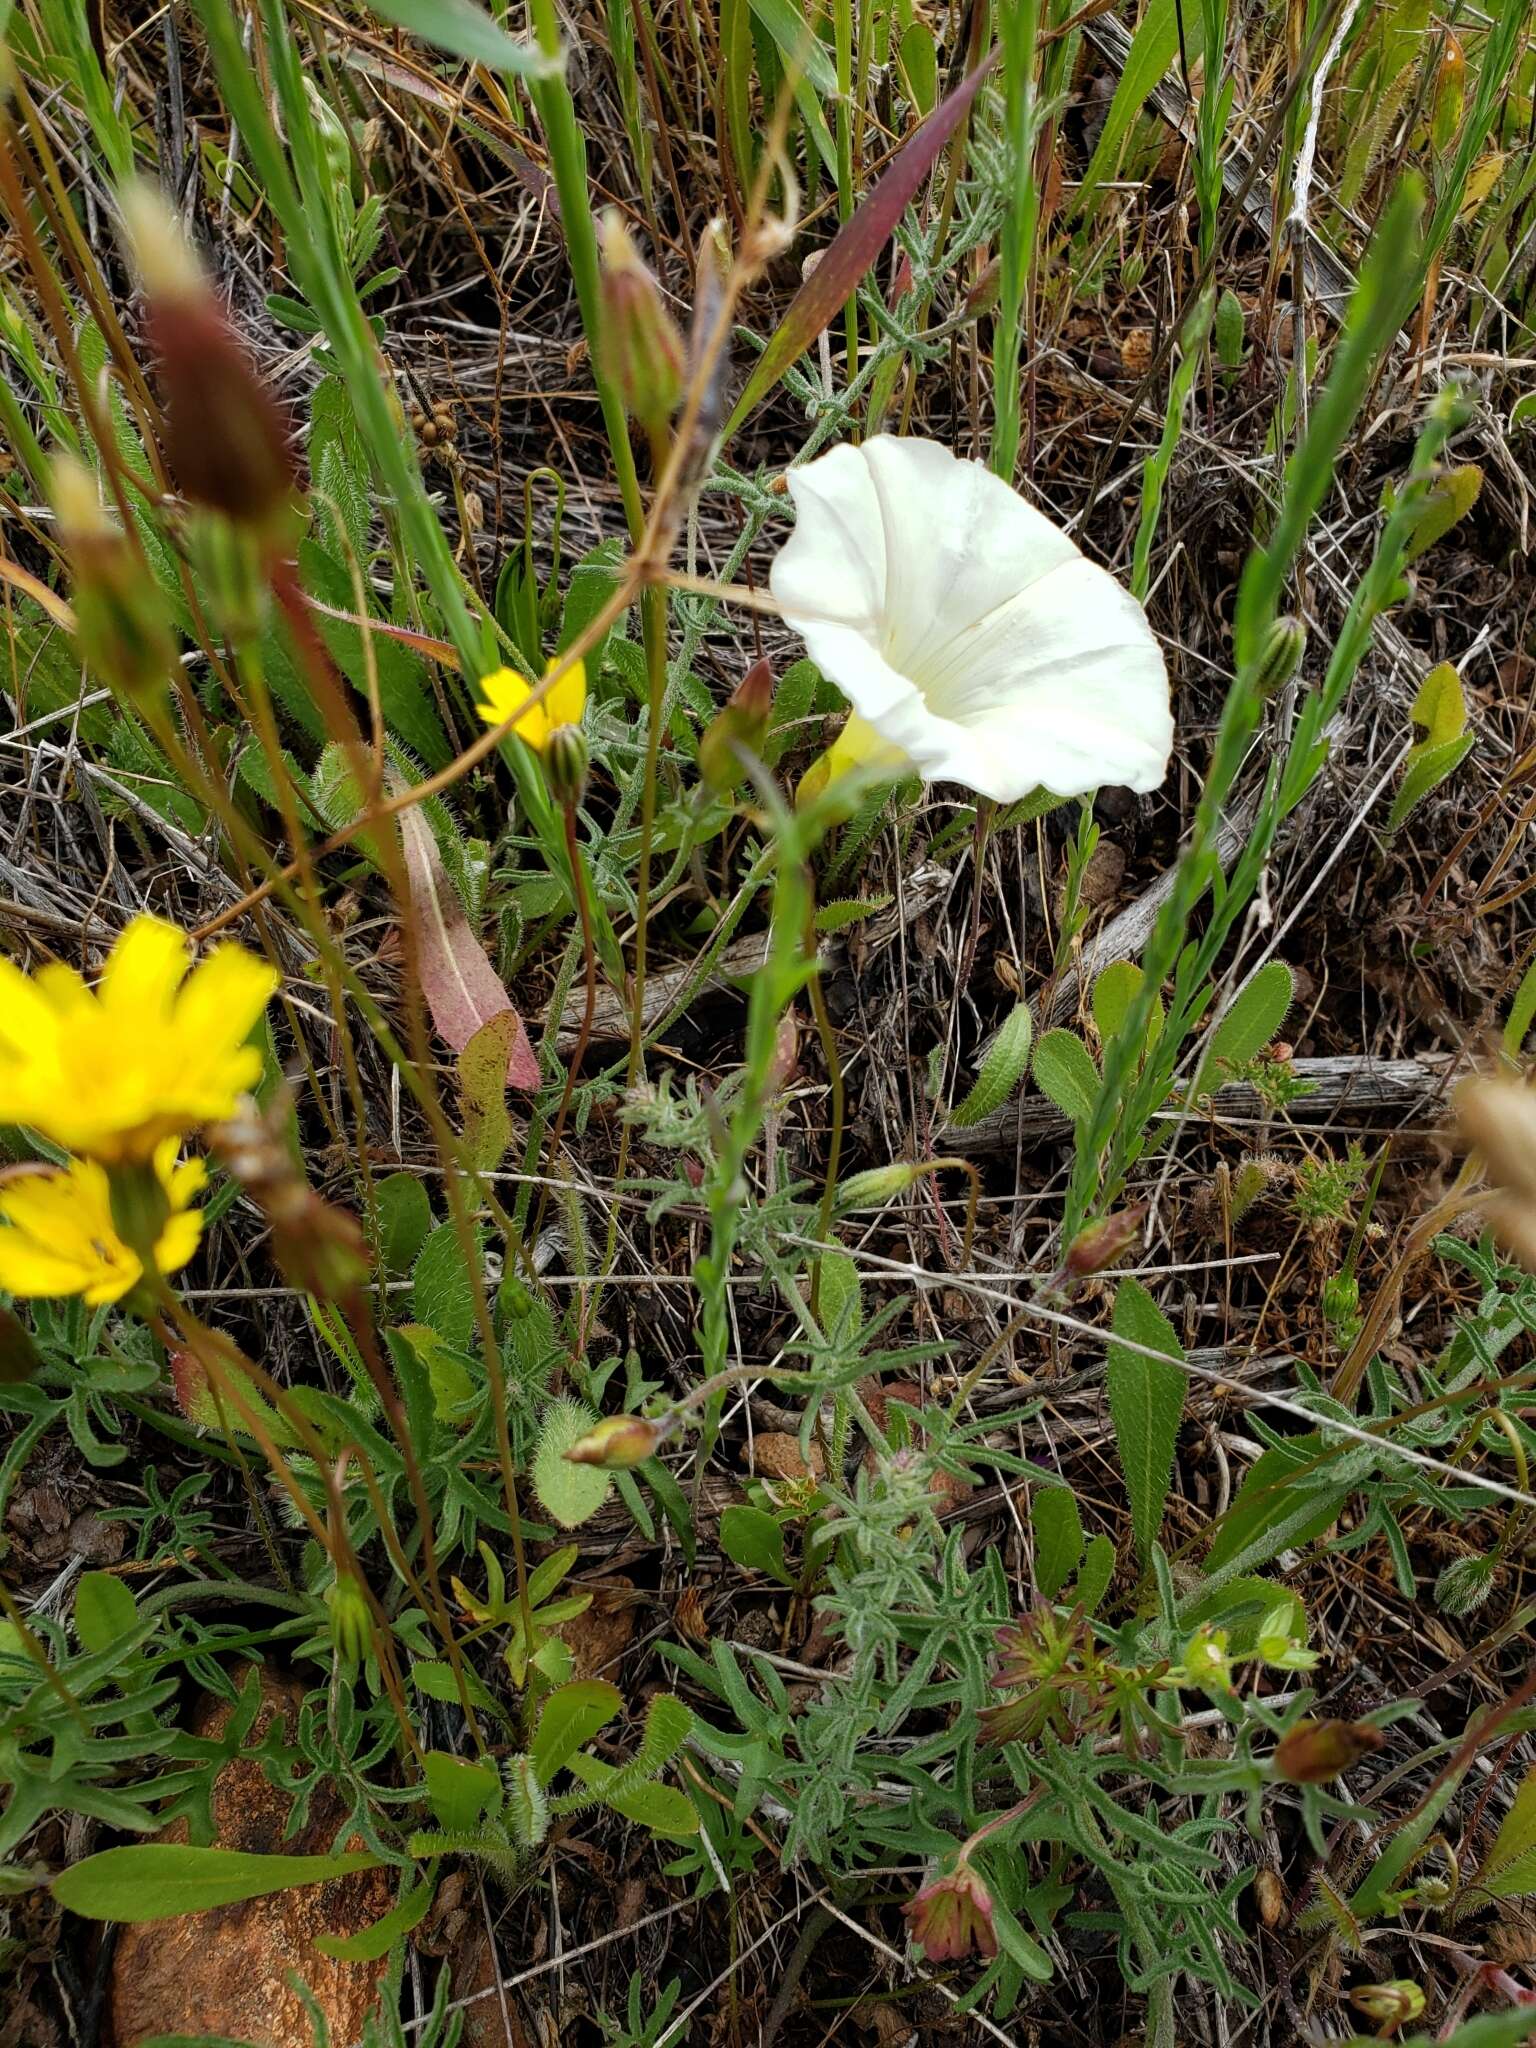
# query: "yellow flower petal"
57 1235
502 691
148 965
568 698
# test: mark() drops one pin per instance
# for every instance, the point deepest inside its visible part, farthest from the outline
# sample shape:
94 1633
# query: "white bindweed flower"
973 640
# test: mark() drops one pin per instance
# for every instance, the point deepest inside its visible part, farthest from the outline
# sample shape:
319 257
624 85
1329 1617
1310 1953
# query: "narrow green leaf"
1097 1571
1521 1011
1001 1071
465 31
1146 1402
1425 772
441 1294
1447 501
1509 1869
847 910
369 1943
161 1880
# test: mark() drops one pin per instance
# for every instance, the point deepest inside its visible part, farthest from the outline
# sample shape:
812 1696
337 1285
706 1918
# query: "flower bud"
226 440
1315 1751
1391 2005
1284 645
565 765
642 350
952 1914
350 1620
120 621
739 727
1099 1244
618 1443
318 1247
141 1208
878 1185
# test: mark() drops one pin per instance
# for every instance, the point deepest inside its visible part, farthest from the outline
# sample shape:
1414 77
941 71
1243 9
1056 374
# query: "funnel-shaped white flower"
973 640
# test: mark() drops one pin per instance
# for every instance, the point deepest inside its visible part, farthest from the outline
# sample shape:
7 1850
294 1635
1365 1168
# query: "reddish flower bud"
317 1246
227 442
951 1915
739 727
642 350
1315 1751
1101 1243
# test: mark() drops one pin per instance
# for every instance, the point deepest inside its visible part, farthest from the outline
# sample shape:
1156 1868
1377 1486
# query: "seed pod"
877 1185
642 350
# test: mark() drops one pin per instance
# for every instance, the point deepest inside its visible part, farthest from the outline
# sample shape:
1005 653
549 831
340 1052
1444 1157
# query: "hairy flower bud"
1099 1244
565 765
738 728
120 621
618 1443
1284 645
1315 1751
878 1184
350 1619
642 351
227 442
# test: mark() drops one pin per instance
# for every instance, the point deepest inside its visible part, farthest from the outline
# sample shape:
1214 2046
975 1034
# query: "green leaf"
1064 1070
1020 1947
1449 499
441 1294
1001 1071
1523 412
1146 1402
1521 1011
104 1610
755 1541
483 1087
1153 48
369 1943
1058 1532
161 1880
466 31
459 1791
662 1808
847 910
437 1681
405 1221
1113 993
1271 1513
1441 708
917 60
1509 1868
1098 1569
1255 1015
571 1715
571 1494
840 1298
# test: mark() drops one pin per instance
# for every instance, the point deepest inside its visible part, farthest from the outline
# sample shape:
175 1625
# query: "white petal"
968 628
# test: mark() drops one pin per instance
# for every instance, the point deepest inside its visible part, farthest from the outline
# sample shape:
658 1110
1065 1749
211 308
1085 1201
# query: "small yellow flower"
61 1238
149 1053
504 690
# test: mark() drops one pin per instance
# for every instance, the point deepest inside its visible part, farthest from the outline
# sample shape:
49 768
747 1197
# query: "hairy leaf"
1146 1402
1001 1071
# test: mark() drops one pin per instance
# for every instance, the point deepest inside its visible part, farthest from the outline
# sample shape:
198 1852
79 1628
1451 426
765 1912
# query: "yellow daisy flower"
504 690
60 1238
150 1052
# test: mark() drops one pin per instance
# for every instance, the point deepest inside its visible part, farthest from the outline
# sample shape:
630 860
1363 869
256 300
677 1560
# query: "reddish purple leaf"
856 246
461 986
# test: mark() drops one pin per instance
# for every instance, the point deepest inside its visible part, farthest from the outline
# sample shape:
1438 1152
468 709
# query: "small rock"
225 1971
776 1455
